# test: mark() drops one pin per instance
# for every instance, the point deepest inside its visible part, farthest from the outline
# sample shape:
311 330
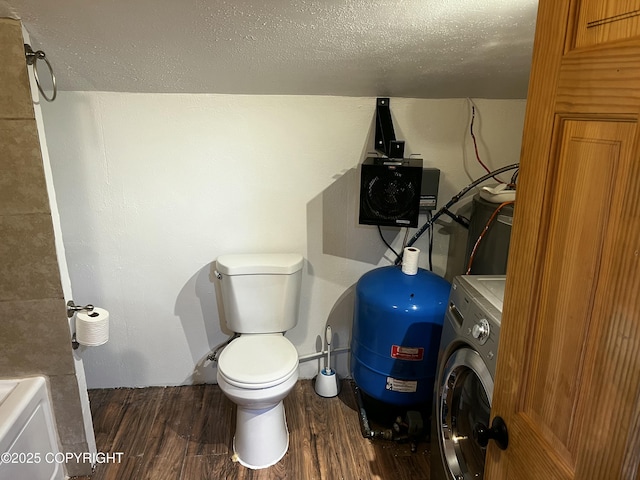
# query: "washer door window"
466 389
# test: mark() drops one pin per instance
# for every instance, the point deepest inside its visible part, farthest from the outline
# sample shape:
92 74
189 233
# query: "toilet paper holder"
72 308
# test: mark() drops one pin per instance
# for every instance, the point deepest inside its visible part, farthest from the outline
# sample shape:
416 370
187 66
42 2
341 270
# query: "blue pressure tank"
396 334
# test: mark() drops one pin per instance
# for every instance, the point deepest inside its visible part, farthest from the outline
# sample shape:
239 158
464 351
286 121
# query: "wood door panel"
568 374
591 155
600 80
603 21
580 206
610 408
531 458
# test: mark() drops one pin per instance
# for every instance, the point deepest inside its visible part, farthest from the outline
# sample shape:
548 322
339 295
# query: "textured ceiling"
401 48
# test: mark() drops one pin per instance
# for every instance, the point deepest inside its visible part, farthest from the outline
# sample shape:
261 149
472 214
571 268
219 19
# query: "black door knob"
498 432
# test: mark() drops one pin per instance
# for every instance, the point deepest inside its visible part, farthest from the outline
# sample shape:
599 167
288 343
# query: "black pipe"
365 428
455 199
458 219
362 414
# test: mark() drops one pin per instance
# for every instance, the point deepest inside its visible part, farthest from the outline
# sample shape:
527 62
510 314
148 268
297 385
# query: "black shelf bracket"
385 139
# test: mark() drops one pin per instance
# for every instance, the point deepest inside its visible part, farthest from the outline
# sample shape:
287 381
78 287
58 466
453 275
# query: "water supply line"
213 355
455 199
313 356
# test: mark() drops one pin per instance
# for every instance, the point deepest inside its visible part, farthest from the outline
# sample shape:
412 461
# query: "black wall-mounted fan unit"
390 192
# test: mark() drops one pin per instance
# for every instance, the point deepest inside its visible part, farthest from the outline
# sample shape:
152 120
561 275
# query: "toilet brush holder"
327 383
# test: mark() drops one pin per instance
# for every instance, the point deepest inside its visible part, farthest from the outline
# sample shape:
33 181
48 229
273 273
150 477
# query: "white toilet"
260 295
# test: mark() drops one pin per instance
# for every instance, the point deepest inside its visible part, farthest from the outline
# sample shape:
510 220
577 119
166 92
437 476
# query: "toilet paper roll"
92 328
410 260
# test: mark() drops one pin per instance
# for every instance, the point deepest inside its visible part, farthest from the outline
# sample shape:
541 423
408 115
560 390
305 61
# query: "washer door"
465 392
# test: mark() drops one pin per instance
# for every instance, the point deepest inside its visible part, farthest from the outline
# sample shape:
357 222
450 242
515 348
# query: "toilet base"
262 437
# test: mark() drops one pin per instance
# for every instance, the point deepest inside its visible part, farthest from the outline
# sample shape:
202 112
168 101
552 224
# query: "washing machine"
465 372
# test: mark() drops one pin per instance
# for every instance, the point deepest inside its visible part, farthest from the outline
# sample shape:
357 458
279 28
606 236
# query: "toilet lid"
258 359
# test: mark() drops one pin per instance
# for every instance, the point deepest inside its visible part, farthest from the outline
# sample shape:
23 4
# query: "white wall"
65 280
153 187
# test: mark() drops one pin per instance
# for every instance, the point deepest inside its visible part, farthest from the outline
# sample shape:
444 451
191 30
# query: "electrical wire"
484 231
475 143
387 243
429 215
473 137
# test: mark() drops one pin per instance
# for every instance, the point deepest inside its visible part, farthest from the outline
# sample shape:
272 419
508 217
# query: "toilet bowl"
260 294
256 372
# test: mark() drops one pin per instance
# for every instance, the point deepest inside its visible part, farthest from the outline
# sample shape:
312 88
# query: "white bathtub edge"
27 431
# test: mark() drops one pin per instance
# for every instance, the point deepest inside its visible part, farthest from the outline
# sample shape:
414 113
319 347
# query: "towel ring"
32 58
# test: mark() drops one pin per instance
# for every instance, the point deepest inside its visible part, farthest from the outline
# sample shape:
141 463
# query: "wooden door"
568 374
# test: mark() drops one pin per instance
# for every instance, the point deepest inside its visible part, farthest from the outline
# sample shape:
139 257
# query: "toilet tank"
260 292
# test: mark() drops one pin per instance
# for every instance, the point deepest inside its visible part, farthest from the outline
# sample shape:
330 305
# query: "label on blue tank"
404 386
414 354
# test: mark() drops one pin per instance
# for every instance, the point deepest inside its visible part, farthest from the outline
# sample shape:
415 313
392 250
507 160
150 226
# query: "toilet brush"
327 384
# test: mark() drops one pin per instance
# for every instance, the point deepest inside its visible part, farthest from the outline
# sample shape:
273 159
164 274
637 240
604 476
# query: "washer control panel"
481 330
475 310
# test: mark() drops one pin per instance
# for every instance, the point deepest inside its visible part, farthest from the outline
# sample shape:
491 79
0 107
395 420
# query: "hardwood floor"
185 433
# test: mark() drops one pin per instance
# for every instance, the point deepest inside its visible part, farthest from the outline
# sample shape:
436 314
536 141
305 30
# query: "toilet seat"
258 361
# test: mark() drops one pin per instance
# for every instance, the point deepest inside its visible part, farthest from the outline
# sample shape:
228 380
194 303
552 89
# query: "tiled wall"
34 331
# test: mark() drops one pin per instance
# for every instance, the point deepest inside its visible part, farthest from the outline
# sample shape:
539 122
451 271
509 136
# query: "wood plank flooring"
185 433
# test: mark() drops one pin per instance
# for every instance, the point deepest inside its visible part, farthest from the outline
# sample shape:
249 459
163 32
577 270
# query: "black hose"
455 199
